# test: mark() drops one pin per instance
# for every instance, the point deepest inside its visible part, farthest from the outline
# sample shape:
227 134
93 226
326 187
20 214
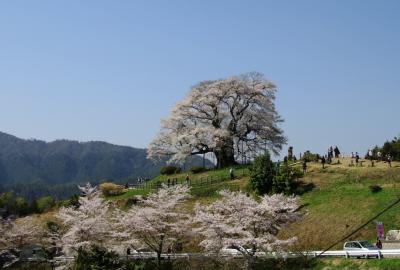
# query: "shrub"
44 203
97 258
265 177
310 157
284 180
168 170
132 201
262 173
111 189
197 169
375 188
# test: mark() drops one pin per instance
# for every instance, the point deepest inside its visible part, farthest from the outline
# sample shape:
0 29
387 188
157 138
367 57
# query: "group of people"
379 157
173 181
332 152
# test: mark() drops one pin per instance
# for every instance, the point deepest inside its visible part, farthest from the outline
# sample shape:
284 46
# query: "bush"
111 189
132 201
168 170
97 258
44 203
310 157
197 169
375 188
262 173
284 180
265 177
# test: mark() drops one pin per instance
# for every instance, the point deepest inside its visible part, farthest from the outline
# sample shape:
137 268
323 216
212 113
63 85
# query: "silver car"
361 245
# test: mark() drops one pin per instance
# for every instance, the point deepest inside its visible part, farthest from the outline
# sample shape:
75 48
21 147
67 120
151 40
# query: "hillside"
55 164
336 200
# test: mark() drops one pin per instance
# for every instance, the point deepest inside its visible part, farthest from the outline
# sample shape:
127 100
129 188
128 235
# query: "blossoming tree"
88 224
228 117
16 234
156 223
240 222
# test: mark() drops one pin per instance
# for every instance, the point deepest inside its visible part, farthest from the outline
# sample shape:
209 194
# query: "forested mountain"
35 164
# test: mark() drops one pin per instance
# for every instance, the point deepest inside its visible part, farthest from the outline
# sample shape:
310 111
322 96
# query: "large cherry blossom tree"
240 222
229 117
156 223
88 224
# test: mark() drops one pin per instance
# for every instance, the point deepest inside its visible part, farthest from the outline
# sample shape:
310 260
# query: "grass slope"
340 201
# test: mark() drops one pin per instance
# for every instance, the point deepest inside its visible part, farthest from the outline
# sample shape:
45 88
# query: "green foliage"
168 170
262 173
33 168
16 205
391 148
6 200
97 258
284 180
197 169
265 177
45 203
21 206
375 188
310 157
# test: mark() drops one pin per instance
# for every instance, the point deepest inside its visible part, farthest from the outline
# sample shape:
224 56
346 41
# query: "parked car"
361 245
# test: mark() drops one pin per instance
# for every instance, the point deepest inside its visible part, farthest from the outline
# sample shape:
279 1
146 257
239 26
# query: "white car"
360 246
230 250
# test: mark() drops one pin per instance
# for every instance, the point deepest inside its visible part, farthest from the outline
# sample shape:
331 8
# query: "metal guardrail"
347 254
335 253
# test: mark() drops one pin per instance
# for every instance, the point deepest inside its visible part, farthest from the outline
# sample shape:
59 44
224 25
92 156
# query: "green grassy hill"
342 200
339 201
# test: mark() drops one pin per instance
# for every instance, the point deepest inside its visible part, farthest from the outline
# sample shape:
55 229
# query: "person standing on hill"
357 158
231 173
379 155
323 160
337 152
187 179
331 155
389 160
370 154
304 166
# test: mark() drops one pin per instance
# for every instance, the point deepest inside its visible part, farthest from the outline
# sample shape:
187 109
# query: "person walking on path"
231 173
304 166
379 244
187 179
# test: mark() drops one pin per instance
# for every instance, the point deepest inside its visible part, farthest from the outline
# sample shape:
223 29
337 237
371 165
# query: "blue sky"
109 70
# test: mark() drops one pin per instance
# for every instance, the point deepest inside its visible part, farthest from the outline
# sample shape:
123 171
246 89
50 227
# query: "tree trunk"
225 154
251 262
159 251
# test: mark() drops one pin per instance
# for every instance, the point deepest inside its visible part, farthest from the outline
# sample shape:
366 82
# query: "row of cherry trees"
160 222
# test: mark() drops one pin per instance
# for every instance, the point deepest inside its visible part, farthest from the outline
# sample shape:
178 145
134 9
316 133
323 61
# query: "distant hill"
61 162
